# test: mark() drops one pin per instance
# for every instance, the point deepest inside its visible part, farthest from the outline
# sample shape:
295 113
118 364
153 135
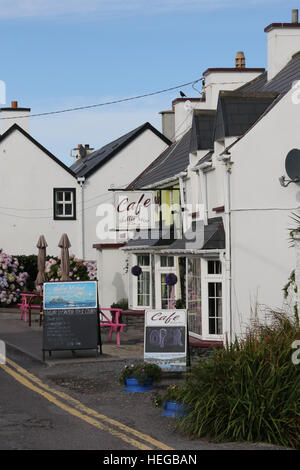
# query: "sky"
66 53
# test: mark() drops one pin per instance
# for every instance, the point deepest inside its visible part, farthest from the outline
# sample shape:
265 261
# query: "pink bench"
113 324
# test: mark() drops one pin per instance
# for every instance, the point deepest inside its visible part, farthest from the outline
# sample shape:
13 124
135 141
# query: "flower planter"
132 385
172 409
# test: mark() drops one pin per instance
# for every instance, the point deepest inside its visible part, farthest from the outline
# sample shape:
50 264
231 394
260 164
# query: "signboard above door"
134 210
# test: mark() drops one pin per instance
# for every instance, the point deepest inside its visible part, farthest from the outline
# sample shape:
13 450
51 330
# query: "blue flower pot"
172 409
132 385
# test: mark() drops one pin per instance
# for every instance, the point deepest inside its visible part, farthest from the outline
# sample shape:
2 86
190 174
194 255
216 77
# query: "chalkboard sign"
71 319
166 338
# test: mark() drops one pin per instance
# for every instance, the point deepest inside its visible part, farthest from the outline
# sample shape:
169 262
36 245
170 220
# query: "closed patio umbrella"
41 261
65 244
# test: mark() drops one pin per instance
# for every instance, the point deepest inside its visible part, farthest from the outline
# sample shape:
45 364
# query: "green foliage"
180 303
249 390
171 394
123 304
29 264
141 372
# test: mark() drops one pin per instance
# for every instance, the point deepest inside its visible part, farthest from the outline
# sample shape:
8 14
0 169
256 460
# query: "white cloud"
45 8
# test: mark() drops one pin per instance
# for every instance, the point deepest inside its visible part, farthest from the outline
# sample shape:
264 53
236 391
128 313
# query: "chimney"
168 124
14 115
240 62
80 152
283 42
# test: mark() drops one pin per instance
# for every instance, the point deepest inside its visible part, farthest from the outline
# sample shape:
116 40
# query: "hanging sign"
166 338
134 210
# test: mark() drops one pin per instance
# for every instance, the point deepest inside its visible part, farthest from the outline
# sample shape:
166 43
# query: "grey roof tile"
95 160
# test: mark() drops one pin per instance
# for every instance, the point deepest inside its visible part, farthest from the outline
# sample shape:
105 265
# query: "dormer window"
64 204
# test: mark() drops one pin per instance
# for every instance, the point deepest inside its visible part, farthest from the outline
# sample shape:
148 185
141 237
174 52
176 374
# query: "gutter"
81 181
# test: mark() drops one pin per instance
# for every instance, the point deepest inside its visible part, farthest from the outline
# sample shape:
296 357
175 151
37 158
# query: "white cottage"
41 195
38 193
229 161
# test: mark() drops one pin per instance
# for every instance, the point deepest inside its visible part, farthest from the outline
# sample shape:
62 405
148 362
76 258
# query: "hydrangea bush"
12 278
79 270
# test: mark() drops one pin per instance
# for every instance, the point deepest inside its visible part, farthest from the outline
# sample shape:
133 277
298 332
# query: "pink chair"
113 324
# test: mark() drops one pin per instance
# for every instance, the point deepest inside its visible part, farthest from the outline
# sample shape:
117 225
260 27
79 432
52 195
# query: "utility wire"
78 108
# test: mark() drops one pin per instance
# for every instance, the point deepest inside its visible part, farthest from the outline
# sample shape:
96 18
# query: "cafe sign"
165 342
134 210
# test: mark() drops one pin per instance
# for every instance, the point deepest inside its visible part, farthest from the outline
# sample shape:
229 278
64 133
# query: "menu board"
166 339
71 319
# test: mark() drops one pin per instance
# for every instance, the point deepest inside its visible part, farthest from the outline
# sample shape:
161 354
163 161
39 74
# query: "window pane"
170 261
214 267
143 289
211 289
166 292
163 261
143 260
212 326
59 196
211 307
68 209
59 209
67 196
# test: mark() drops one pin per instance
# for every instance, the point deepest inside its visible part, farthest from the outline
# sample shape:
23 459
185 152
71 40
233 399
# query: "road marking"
78 409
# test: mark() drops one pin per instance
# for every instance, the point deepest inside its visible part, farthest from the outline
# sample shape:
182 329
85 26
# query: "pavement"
18 335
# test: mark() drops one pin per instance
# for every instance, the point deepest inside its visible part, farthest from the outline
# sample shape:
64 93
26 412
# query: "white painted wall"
117 172
112 276
27 179
215 81
282 44
261 257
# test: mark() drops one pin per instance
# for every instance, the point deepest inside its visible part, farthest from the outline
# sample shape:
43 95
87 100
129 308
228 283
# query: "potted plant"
140 377
170 401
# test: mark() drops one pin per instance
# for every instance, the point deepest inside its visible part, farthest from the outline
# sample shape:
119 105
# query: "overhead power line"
106 103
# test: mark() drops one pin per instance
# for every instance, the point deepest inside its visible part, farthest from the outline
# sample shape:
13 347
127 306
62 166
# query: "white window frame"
135 283
64 202
205 305
163 270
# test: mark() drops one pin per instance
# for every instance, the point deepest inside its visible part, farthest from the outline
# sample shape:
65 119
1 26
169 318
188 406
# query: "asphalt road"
82 407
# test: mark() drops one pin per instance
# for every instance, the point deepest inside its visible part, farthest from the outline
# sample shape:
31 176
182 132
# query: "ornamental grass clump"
141 372
248 391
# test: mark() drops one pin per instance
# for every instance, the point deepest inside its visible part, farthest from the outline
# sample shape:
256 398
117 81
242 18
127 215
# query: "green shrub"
29 264
123 304
249 390
141 372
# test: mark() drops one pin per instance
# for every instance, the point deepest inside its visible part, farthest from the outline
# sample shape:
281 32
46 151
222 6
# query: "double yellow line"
74 407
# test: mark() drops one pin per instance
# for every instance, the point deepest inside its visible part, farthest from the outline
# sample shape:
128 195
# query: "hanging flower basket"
171 279
136 270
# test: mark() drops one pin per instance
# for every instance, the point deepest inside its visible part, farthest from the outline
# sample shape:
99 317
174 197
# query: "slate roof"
213 238
202 130
169 163
91 163
237 112
281 83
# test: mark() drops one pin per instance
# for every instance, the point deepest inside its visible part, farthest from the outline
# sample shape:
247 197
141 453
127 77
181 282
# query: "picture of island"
70 295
